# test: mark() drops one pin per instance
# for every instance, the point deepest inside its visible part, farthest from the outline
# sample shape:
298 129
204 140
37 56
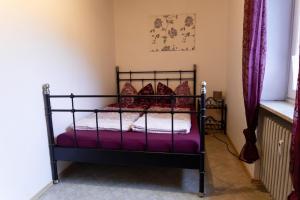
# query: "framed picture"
173 32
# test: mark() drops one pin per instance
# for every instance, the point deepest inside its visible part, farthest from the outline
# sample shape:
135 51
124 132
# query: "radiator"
275 141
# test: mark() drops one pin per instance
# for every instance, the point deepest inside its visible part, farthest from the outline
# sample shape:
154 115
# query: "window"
294 66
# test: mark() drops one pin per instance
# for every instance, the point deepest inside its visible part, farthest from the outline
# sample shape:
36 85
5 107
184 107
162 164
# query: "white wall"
236 113
68 44
132 38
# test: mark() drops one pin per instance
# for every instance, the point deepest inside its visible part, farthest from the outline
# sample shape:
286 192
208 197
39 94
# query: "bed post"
48 115
195 81
118 83
118 80
202 108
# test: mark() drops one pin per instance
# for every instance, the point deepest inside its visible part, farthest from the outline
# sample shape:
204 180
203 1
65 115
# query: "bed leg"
201 184
55 181
201 195
54 172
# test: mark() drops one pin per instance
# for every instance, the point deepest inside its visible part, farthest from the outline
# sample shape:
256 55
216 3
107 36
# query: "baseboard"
49 185
42 191
243 164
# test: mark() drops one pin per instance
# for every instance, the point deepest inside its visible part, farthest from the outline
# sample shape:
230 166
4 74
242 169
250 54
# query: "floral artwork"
173 32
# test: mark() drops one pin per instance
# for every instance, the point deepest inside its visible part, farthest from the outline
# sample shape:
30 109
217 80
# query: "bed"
150 133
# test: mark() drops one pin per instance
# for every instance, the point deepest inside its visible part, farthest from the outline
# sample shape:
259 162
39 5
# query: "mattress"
162 122
134 141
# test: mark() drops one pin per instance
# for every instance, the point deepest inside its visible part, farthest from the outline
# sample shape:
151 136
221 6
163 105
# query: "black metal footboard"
122 156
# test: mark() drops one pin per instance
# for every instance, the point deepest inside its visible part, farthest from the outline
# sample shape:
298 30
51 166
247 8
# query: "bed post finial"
195 67
203 87
46 88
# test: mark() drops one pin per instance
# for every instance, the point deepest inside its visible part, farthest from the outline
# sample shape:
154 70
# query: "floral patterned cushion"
183 89
128 89
147 90
162 89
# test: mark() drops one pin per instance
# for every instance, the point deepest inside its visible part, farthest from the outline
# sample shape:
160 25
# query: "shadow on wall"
69 45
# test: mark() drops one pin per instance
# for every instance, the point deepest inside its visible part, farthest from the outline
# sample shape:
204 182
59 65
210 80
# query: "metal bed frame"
122 156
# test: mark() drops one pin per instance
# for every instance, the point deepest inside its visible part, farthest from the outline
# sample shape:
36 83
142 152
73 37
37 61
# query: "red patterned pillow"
183 89
147 90
162 89
128 89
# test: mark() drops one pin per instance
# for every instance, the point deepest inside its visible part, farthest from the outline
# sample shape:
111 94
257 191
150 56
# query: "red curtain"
254 57
295 148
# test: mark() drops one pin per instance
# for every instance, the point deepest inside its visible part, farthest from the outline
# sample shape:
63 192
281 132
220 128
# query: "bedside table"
211 122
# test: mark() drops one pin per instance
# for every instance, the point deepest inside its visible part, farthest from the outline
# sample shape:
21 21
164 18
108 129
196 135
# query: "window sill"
283 109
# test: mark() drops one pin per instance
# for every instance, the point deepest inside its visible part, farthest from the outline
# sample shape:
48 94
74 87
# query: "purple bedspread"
134 141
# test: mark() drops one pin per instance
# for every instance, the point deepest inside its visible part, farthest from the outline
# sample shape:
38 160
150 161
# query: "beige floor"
226 179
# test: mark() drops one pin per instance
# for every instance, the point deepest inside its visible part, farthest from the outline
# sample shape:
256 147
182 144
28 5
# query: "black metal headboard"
154 78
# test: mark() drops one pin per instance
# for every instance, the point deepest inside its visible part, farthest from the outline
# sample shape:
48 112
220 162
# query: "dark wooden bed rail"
121 156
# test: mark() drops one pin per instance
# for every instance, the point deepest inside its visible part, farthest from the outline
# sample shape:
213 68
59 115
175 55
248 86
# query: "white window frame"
295 46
